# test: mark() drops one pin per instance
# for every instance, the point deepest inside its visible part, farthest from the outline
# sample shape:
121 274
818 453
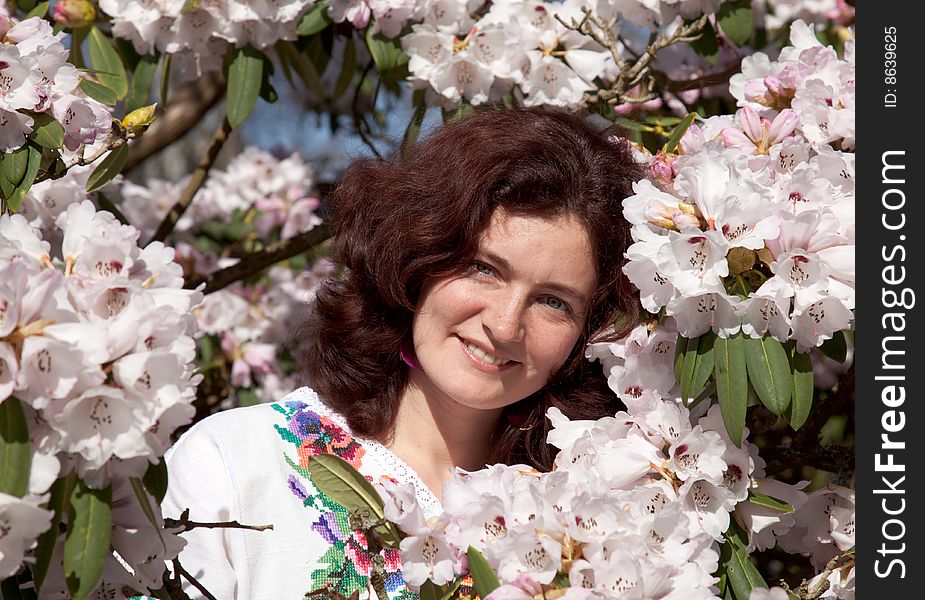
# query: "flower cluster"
523 46
37 79
782 12
96 343
203 31
635 508
751 227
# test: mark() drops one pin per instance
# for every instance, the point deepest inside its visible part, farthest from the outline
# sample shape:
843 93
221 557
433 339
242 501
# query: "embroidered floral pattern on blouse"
347 563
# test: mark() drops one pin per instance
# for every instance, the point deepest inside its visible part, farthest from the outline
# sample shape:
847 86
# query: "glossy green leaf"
679 131
836 348
336 478
731 383
40 10
314 20
741 574
802 388
98 92
142 80
483 576
155 480
453 587
386 53
33 163
144 502
15 452
430 591
106 204
769 372
46 131
348 68
108 168
45 548
768 501
707 46
106 62
14 165
735 19
680 348
303 66
631 125
87 543
245 77
704 365
688 361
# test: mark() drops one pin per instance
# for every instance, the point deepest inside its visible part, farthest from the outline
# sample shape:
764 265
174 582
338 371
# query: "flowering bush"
129 304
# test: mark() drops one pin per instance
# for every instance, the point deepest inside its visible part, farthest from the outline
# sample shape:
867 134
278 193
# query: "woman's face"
496 332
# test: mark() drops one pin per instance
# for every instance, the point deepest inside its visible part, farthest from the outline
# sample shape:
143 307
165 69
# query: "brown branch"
196 180
187 106
832 458
257 261
195 582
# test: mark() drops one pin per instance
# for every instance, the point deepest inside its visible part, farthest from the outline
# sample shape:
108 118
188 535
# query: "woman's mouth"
485 360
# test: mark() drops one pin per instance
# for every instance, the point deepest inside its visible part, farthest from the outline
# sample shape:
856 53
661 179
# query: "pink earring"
408 357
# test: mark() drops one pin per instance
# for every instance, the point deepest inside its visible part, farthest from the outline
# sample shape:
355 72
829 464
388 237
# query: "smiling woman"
472 273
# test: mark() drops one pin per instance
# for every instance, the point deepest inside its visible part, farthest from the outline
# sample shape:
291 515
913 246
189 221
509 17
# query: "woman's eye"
555 303
482 269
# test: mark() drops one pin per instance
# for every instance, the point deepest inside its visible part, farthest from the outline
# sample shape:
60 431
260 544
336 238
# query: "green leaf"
15 452
155 480
247 397
386 53
680 348
337 479
679 132
144 502
106 61
245 76
707 46
304 67
687 367
142 80
106 204
9 588
706 360
741 574
483 577
769 372
731 384
32 170
347 70
836 348
414 126
14 165
46 131
314 20
40 10
98 92
164 87
453 588
768 502
430 591
60 496
108 168
631 124
801 401
87 543
735 19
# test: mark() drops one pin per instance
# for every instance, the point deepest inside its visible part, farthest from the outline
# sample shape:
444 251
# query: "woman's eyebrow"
559 288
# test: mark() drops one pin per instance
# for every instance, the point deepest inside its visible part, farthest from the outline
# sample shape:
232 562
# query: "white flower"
22 520
427 556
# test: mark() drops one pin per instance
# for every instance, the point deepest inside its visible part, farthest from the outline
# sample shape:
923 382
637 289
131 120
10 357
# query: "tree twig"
196 180
178 568
255 262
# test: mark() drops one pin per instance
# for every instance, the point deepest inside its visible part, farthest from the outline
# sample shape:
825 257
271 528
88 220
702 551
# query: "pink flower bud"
72 14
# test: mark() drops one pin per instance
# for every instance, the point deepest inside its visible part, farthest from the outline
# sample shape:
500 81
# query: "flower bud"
73 14
136 121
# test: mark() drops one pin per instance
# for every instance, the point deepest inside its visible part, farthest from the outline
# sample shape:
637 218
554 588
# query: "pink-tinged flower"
9 367
524 587
699 453
756 134
22 521
697 314
426 555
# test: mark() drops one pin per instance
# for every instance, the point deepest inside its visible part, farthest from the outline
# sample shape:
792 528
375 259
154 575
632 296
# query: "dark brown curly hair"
401 221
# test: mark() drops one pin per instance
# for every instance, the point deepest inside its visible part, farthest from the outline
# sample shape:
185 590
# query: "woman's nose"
503 317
